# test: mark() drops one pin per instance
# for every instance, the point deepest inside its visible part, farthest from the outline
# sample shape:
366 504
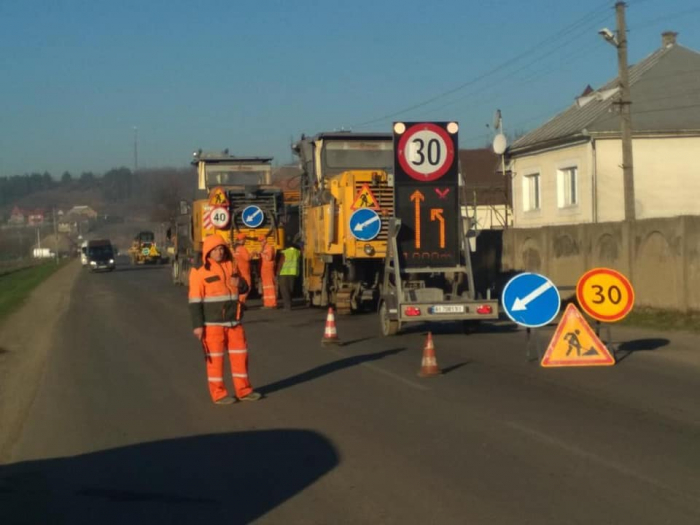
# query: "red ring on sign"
416 175
220 209
606 271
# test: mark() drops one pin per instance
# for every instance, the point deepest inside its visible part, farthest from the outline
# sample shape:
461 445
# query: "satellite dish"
500 143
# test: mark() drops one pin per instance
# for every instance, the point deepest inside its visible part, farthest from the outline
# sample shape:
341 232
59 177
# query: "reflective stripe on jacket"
291 262
213 300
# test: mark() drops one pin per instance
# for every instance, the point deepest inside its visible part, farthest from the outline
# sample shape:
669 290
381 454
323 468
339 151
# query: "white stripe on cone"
330 331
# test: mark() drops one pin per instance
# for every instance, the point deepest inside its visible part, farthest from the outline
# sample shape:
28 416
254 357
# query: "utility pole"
55 236
625 102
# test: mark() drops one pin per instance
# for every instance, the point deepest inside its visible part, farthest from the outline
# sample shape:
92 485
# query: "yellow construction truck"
143 249
347 199
234 195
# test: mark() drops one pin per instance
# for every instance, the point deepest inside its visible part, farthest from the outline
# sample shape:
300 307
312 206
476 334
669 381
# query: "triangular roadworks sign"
575 344
365 199
217 197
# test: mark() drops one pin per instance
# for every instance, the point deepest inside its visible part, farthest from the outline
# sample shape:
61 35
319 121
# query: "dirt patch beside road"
25 340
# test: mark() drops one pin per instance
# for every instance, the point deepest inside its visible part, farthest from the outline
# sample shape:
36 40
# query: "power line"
547 41
666 17
535 75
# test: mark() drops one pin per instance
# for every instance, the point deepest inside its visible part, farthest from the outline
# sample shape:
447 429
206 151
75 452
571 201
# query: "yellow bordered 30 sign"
605 294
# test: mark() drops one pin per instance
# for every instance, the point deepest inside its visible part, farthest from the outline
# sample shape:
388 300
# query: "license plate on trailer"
449 309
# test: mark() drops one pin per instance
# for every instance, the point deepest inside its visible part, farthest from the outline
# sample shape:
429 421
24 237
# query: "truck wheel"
389 326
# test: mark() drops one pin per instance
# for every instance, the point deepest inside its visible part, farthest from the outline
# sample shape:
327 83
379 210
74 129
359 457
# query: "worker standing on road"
289 270
267 273
216 317
243 257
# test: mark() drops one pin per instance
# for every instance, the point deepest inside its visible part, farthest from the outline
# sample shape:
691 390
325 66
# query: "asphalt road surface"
122 429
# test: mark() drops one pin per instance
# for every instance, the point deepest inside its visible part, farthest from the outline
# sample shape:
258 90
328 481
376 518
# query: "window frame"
528 178
566 175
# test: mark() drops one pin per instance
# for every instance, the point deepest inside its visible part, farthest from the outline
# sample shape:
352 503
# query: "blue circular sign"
365 224
253 216
531 300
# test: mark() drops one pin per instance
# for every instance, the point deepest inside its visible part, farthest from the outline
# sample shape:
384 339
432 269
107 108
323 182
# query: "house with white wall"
569 170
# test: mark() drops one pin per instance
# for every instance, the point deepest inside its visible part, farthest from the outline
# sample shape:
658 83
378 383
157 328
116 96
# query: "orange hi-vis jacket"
213 300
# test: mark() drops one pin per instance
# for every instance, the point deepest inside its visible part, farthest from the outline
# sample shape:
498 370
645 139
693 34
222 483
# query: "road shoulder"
26 338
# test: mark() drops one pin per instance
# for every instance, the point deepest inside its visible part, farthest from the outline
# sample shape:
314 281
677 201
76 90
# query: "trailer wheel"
389 326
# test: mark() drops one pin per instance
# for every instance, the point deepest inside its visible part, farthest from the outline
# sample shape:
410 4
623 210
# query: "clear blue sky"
77 76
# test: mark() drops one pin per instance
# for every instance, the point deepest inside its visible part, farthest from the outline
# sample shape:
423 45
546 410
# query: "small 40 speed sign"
220 217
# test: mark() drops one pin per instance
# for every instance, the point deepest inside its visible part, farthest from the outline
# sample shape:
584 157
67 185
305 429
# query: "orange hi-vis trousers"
267 274
218 340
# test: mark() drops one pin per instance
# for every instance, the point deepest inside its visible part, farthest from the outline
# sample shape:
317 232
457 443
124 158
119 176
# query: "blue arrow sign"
531 300
253 216
365 224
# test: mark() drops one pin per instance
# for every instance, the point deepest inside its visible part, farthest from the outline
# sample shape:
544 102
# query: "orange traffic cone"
429 366
330 335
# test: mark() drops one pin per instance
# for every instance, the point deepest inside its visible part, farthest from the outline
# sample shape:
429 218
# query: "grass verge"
16 286
666 320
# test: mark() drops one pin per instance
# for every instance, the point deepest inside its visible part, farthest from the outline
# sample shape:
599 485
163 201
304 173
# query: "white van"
83 253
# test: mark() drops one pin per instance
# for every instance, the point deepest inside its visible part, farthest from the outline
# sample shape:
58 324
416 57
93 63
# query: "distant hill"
151 194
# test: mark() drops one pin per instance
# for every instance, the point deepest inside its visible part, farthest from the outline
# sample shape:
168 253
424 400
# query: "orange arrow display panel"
429 225
575 344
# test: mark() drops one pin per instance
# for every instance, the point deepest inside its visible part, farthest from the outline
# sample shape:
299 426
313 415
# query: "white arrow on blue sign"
531 300
365 224
253 216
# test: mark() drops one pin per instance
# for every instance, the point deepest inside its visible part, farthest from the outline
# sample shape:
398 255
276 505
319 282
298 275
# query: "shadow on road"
139 268
452 368
328 368
457 328
639 345
355 341
225 478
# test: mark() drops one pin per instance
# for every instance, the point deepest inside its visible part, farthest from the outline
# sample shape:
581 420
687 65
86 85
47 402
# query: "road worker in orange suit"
243 258
215 288
267 273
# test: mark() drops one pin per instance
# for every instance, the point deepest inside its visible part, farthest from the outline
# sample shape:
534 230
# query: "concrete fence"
660 256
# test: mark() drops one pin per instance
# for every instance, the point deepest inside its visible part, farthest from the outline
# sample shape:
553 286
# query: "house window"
567 187
531 192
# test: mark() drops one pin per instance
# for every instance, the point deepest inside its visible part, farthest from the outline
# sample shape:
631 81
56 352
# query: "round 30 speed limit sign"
426 152
220 217
605 294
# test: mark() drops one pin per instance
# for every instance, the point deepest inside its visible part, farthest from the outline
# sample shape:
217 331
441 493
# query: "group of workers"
218 290
288 269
